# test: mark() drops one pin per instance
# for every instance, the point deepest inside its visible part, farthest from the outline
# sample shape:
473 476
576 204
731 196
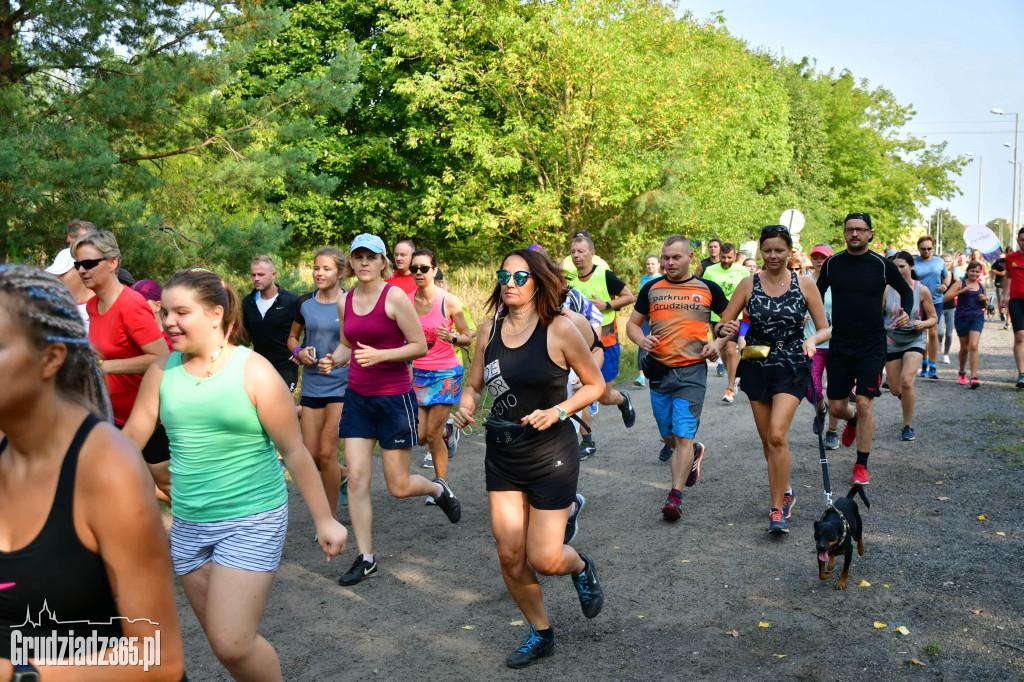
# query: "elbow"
419 349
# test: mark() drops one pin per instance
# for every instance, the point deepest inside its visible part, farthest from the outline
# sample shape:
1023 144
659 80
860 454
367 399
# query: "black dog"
835 533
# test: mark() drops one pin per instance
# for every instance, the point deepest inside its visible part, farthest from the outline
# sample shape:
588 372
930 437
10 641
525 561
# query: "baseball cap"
149 289
866 217
62 263
890 253
824 249
370 242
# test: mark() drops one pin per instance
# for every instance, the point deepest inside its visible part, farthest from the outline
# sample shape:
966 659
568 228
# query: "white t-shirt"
85 317
264 304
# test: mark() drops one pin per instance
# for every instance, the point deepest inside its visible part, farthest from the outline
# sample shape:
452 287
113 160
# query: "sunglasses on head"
88 263
518 277
774 228
420 268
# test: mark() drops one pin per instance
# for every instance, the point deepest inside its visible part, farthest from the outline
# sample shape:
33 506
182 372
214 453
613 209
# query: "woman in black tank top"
523 358
60 561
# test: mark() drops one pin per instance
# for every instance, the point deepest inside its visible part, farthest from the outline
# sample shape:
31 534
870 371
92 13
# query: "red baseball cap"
824 249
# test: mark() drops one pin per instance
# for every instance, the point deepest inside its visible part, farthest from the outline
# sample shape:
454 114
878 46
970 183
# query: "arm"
624 299
730 315
896 281
275 409
474 385
400 309
823 283
305 356
146 411
816 308
636 334
139 364
463 336
931 318
342 354
952 292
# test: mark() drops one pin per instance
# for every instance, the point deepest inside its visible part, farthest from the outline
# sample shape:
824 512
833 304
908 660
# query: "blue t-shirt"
323 330
931 272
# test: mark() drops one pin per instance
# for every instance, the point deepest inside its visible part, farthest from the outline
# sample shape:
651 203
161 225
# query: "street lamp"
981 165
1016 140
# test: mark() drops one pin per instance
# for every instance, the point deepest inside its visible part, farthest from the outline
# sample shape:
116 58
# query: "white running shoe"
428 460
945 359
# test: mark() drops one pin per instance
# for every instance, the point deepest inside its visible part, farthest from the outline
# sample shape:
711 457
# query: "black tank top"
56 583
524 379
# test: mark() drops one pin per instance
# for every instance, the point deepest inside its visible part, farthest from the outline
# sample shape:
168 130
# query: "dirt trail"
673 593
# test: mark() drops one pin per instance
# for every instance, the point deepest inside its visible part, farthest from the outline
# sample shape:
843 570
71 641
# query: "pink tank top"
377 330
440 353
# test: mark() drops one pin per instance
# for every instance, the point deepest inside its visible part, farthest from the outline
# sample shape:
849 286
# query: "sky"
951 61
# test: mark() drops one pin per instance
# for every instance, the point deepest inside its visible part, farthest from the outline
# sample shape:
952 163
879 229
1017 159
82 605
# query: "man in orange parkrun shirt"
679 306
1013 302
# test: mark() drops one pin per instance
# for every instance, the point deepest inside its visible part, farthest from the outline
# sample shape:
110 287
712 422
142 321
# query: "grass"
932 649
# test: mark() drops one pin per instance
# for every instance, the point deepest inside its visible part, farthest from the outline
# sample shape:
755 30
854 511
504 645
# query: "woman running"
380 335
948 313
816 388
323 394
776 300
80 531
906 346
969 319
531 461
437 377
225 409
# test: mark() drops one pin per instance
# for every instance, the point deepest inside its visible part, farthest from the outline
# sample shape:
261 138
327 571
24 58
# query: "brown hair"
974 264
211 291
77 227
338 256
548 282
926 238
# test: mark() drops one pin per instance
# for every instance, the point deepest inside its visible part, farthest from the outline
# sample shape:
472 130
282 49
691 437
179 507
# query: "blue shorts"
963 327
677 400
249 543
391 420
610 366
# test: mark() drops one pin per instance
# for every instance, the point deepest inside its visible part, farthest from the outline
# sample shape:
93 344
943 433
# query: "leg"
865 423
161 474
933 345
432 419
359 455
962 353
400 482
841 583
509 517
947 322
229 604
682 461
317 431
731 360
893 369
973 338
1018 349
907 377
841 409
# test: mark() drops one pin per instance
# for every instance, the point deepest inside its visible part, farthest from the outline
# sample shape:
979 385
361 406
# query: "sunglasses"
88 263
519 277
926 248
774 228
420 268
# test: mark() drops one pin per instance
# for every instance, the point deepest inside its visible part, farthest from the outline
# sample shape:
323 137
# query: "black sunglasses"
518 277
89 263
774 228
420 268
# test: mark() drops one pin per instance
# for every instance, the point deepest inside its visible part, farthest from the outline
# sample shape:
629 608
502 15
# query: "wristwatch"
25 673
562 415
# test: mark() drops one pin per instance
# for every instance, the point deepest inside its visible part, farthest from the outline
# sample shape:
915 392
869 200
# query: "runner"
856 355
970 319
652 264
998 272
437 377
903 345
1013 301
679 306
816 389
380 335
80 531
776 372
323 393
402 277
63 267
714 255
935 277
225 411
727 274
268 311
531 463
751 265
948 312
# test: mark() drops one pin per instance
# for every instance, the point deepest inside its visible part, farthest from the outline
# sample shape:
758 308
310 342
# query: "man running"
998 272
679 306
856 355
268 312
727 274
402 277
932 273
714 255
1013 302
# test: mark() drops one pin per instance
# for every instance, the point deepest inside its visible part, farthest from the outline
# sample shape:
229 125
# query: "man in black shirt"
998 270
268 312
858 277
714 256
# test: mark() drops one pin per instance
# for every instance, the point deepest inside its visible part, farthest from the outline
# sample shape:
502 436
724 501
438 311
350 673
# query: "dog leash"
824 469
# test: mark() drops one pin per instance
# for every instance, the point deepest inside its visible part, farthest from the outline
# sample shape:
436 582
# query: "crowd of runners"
201 382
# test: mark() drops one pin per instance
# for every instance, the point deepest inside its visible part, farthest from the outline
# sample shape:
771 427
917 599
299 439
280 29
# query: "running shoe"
343 492
1006 325
535 647
666 453
788 500
627 411
720 370
360 570
907 433
451 438
428 460
587 450
974 382
819 419
588 588
640 381
430 501
924 373
593 408
932 372
961 378
885 381
728 397
448 503
924 367
860 474
831 440
776 524
572 526
945 359
698 455
673 509
1020 381
850 432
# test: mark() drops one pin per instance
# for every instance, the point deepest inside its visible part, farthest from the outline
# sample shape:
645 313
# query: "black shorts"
898 354
546 469
290 373
1015 308
859 365
391 420
158 449
320 403
761 383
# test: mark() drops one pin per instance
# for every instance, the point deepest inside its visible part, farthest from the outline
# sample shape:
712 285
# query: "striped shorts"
249 543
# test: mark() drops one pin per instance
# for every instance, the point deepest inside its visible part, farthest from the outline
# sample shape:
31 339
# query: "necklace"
784 282
525 325
216 356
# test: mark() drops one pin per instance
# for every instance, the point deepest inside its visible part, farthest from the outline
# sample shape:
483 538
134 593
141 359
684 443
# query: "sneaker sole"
778 531
528 663
671 513
342 582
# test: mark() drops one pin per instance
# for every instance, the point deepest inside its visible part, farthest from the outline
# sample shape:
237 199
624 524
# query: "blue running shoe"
666 453
343 493
932 373
535 647
588 588
720 370
626 408
593 408
907 433
776 524
572 526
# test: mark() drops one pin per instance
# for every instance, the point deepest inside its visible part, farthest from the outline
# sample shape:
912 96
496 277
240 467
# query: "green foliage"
950 239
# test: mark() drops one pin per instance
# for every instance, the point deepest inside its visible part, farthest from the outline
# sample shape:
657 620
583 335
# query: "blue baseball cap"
370 242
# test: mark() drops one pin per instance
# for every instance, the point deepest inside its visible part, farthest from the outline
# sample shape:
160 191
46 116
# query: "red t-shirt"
406 283
1015 271
120 333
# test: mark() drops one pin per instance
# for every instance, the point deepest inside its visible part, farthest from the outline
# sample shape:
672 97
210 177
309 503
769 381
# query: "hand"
649 343
462 417
541 419
709 352
576 384
903 320
326 364
306 356
809 348
599 304
367 356
444 334
332 537
730 328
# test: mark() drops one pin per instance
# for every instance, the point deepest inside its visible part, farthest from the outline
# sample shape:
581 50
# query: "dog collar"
846 524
